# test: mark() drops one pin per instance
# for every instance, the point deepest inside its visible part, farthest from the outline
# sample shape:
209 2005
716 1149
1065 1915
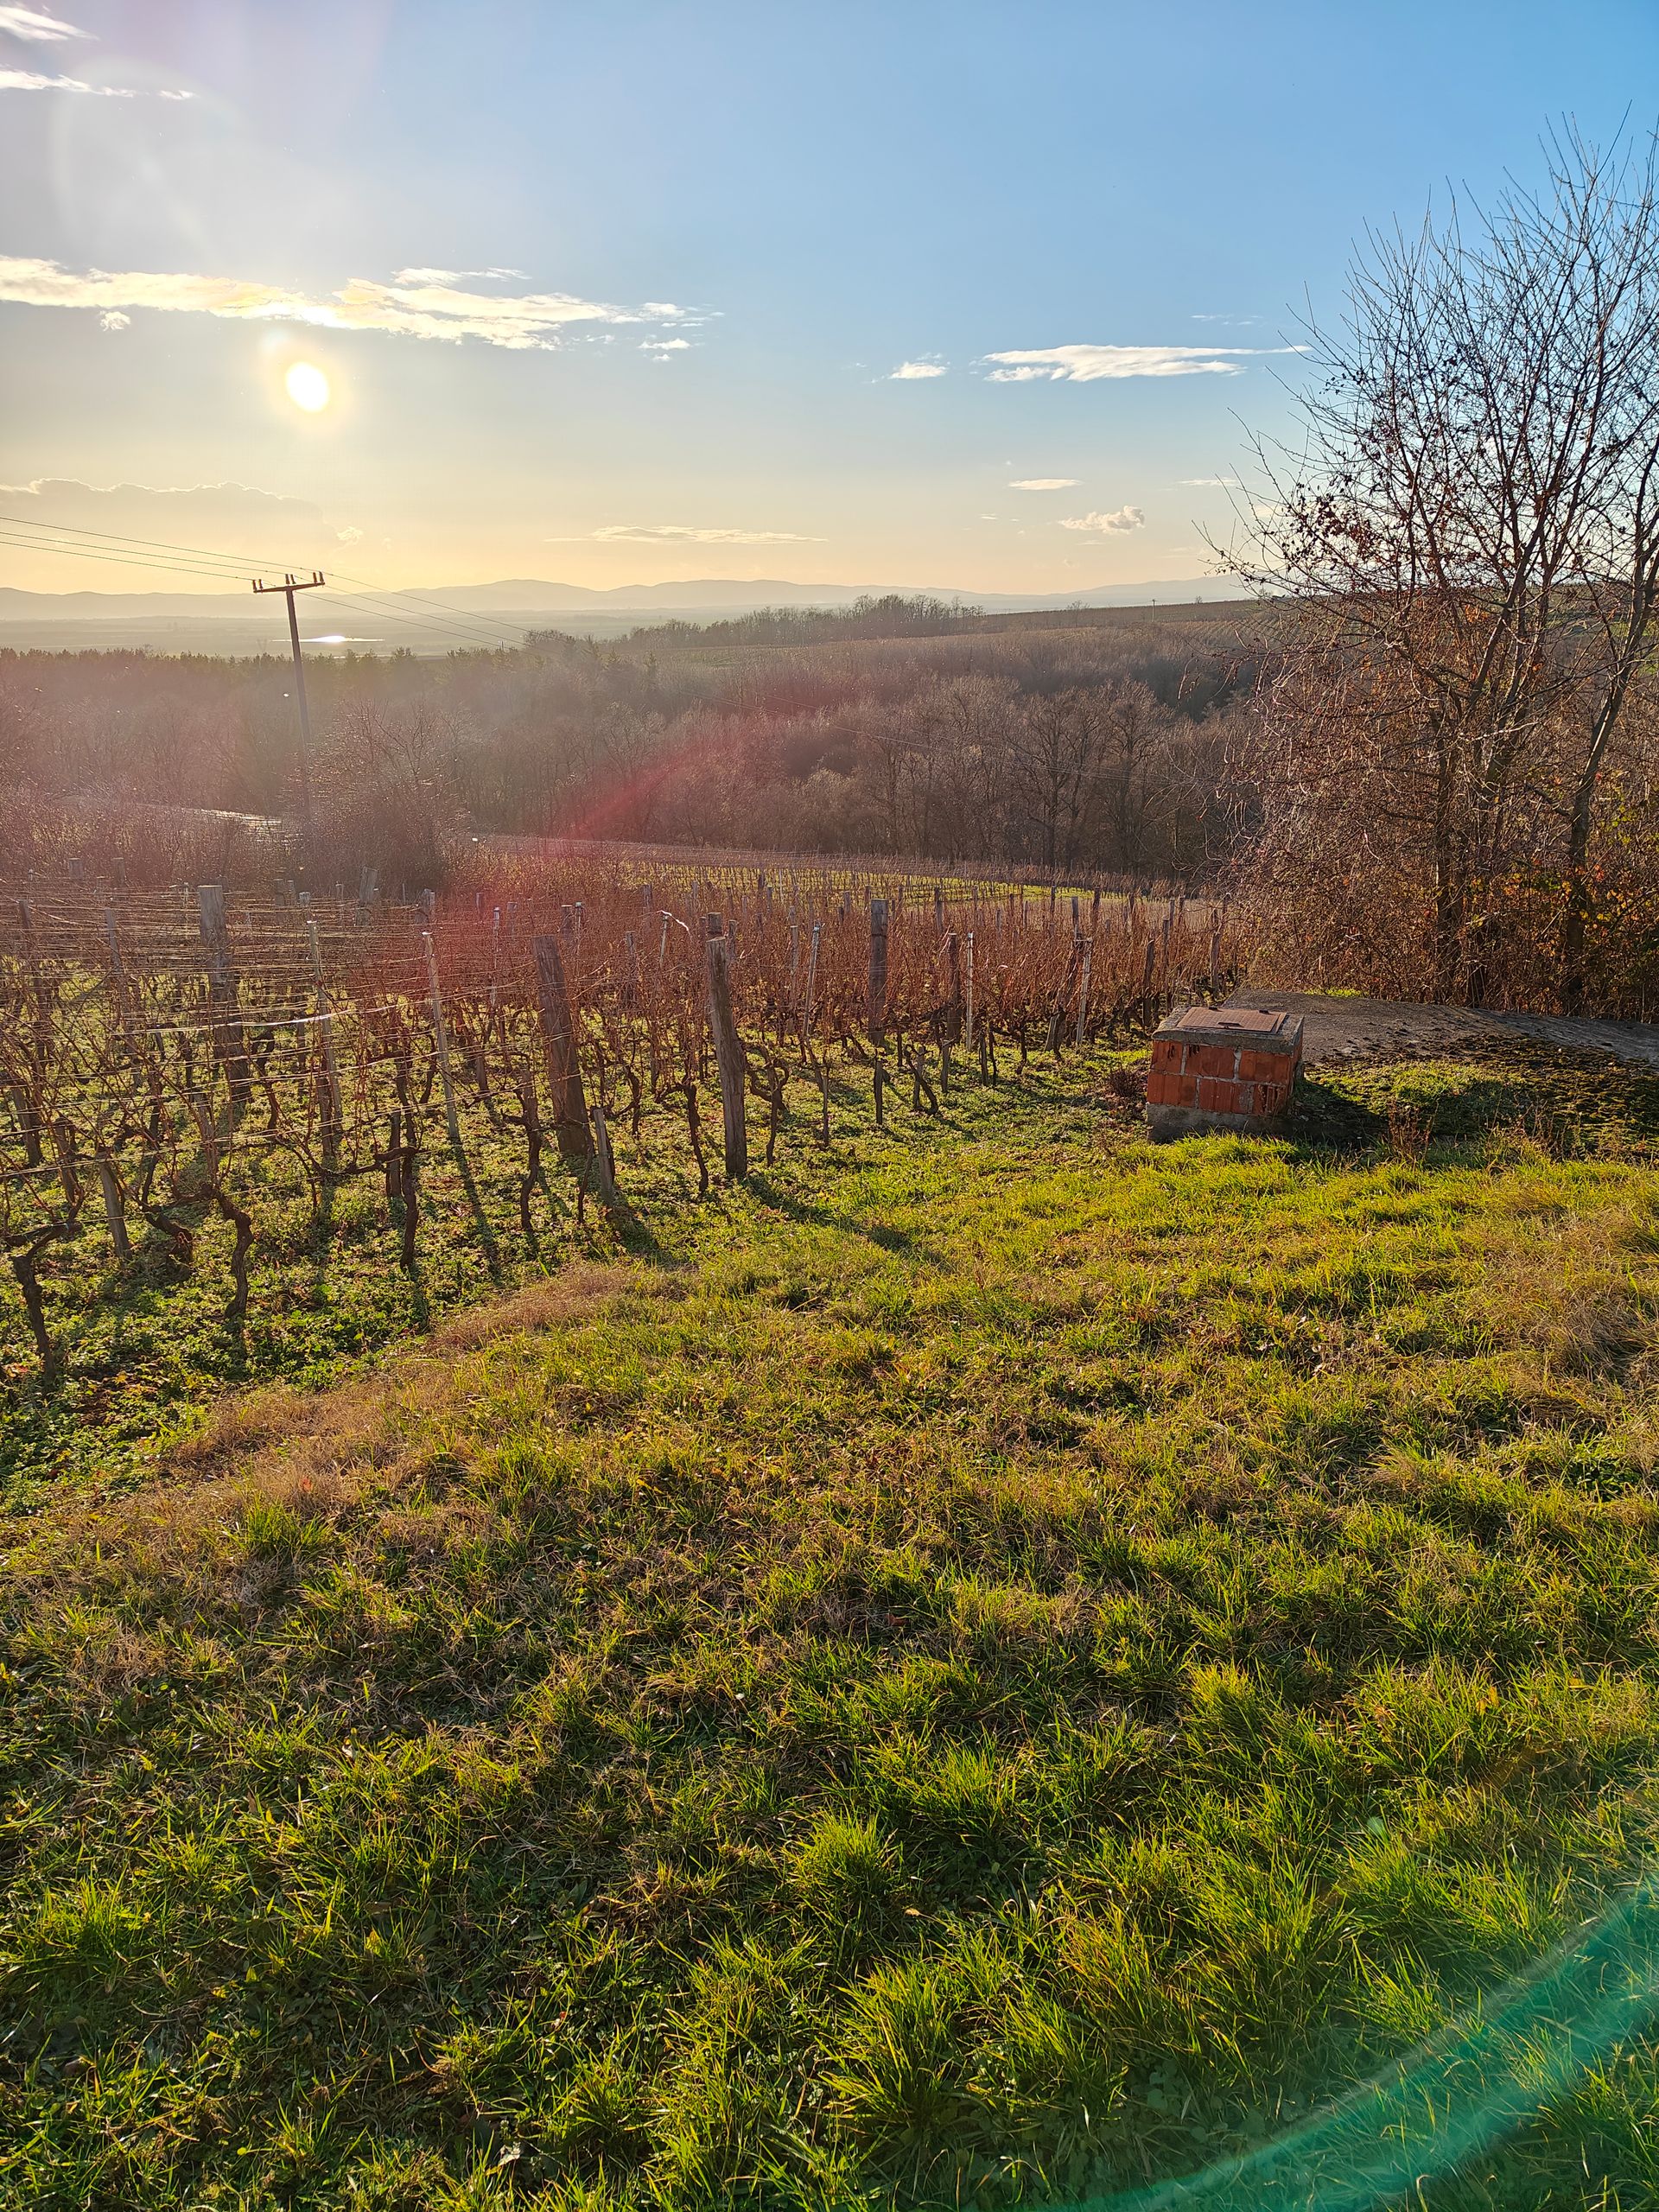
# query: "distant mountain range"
231 622
528 595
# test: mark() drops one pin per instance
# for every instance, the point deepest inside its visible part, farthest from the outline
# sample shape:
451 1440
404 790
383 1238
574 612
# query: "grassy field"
150 1347
1000 1664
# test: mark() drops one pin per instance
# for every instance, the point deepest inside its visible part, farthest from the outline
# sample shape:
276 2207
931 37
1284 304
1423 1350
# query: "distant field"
436 623
998 1663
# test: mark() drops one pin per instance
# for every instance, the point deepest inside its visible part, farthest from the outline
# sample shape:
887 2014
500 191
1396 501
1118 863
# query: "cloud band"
1090 364
516 320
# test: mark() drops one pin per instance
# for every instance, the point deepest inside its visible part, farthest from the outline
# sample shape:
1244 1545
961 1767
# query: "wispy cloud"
914 372
516 320
54 487
1212 483
33 23
34 26
1099 526
685 533
1045 483
229 516
34 80
1239 321
454 275
1089 363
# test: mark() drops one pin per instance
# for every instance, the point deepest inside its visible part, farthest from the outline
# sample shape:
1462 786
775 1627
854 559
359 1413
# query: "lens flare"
307 387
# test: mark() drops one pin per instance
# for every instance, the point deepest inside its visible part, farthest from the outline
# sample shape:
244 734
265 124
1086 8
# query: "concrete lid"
1267 1029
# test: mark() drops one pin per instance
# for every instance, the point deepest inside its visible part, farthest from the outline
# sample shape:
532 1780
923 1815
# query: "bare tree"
1133 723
963 730
387 785
1471 525
1059 745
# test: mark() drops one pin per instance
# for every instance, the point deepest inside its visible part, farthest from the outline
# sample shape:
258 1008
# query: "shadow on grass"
906 1242
1559 1098
323 1235
637 1236
1325 1119
486 1236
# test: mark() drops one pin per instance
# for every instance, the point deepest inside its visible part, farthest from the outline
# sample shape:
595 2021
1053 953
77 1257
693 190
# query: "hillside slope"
1014 1663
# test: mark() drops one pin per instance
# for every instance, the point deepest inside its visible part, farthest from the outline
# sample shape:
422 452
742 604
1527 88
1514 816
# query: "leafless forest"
1095 743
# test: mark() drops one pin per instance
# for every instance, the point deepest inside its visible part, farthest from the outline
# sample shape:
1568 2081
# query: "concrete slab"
1339 1028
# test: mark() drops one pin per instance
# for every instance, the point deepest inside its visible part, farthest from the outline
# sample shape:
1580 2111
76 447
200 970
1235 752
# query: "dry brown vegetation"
1455 761
1091 742
174 1065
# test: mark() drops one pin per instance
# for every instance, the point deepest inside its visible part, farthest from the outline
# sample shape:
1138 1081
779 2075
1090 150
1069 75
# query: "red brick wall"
1219 1078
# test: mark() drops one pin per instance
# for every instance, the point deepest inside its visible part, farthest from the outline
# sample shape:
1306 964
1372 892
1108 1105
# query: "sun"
307 387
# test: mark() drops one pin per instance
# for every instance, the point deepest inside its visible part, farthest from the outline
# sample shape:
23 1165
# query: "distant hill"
441 618
530 595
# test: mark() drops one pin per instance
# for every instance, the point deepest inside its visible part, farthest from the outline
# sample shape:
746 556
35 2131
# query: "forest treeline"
907 727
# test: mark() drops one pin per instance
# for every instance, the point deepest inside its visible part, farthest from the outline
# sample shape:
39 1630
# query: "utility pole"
288 586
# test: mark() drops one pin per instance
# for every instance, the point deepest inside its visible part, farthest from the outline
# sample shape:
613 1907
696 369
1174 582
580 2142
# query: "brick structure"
1226 1067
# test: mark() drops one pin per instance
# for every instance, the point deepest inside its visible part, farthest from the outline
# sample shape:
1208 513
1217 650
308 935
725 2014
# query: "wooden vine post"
811 980
953 1012
223 1013
111 1187
558 1031
118 980
812 985
877 1009
878 991
331 1095
441 1031
728 1050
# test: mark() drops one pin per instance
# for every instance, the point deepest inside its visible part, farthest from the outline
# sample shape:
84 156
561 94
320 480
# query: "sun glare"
307 387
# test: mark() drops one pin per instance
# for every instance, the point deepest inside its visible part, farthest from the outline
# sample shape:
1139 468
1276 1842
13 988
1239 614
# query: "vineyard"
210 1101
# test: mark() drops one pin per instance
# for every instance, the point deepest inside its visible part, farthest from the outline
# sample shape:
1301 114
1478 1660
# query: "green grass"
150 1345
1003 1663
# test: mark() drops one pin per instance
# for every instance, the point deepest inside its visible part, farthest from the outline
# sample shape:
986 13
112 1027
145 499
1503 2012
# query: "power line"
176 567
237 565
369 612
381 607
478 640
109 537
82 553
218 575
226 573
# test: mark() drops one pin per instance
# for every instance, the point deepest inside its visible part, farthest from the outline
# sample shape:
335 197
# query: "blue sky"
725 226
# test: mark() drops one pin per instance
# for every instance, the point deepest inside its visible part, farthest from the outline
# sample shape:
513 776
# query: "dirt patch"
1335 1028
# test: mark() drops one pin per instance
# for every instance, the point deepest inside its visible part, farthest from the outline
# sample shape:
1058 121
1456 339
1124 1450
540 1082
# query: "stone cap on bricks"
1222 1068
1265 1029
